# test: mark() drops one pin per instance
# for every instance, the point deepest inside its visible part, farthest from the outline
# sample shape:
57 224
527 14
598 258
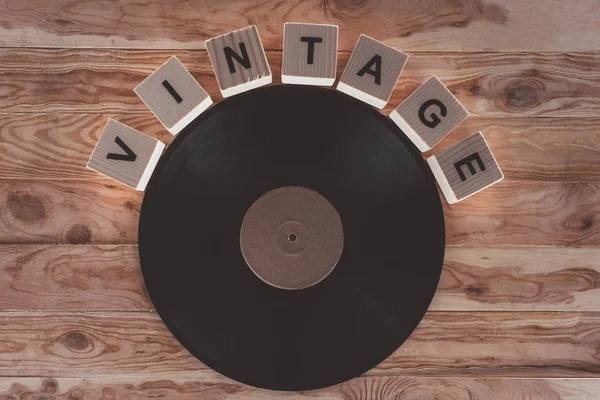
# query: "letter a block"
309 54
372 72
239 61
429 114
465 168
125 155
173 95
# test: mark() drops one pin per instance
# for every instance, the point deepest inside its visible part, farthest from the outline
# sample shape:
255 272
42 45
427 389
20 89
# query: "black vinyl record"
275 137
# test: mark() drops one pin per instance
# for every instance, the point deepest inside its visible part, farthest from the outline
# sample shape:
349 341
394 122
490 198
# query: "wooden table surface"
517 312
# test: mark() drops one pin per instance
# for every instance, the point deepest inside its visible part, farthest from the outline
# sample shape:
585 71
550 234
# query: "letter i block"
465 168
372 72
173 95
239 61
309 54
429 114
125 155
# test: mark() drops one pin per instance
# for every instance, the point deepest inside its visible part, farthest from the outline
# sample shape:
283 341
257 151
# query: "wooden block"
309 54
173 95
372 72
125 155
239 61
429 114
465 168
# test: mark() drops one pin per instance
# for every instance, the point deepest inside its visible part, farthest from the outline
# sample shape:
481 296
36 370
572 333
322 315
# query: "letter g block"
429 114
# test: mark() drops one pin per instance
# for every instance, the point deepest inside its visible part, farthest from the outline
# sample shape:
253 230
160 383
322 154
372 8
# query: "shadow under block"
465 168
429 114
239 61
309 54
125 155
372 72
173 95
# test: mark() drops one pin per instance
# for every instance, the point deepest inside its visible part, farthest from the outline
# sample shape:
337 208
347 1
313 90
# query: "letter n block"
372 72
429 114
125 155
239 61
309 54
173 95
465 168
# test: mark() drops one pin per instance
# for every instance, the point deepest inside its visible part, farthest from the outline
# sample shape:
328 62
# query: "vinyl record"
291 237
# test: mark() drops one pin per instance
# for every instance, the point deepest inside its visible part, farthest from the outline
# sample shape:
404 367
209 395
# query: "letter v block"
173 95
372 72
465 168
429 114
125 155
239 61
309 54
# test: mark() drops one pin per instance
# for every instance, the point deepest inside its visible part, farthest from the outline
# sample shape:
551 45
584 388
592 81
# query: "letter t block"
465 168
309 54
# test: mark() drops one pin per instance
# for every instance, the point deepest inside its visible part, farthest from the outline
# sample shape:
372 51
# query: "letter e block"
239 61
173 95
372 72
125 155
465 168
309 54
429 114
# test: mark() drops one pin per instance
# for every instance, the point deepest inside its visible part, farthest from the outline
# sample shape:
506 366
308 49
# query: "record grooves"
335 146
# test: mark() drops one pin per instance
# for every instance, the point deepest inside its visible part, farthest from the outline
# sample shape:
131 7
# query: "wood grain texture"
56 146
519 213
519 279
413 25
476 344
103 278
71 278
68 212
192 387
487 84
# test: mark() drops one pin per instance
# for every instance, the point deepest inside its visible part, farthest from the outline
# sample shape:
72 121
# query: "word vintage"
309 58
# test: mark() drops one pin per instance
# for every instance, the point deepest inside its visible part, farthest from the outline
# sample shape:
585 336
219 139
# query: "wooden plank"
104 278
487 84
410 25
57 146
71 278
511 213
191 387
519 279
474 344
102 211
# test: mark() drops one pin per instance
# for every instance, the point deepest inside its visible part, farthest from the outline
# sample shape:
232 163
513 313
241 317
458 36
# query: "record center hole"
292 237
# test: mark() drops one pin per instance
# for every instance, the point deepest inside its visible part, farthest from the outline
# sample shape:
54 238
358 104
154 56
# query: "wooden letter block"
239 61
173 95
125 155
309 54
429 114
465 168
372 72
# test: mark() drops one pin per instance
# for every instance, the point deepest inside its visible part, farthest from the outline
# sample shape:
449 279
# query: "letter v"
130 156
